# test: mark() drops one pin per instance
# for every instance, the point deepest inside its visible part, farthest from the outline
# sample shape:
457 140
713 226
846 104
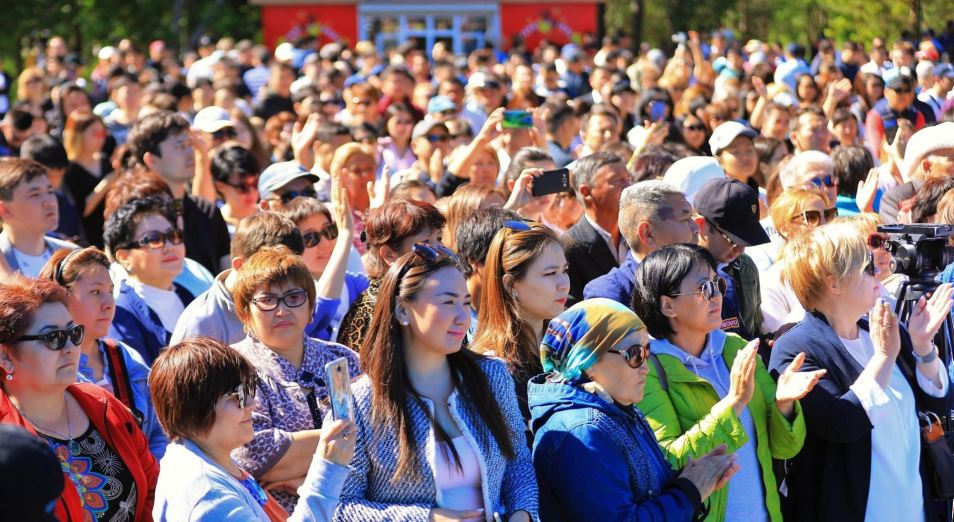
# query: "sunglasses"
697 128
244 394
709 289
157 239
359 101
332 101
903 90
814 217
634 355
433 252
56 339
436 139
517 226
313 239
293 299
249 184
225 133
876 241
869 265
828 181
292 194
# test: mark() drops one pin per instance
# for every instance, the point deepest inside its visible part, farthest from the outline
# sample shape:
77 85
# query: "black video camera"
919 251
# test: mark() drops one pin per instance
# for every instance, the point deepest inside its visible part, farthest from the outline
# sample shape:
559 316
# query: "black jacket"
829 479
589 257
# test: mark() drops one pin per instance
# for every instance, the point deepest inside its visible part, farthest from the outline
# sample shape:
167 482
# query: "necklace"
71 444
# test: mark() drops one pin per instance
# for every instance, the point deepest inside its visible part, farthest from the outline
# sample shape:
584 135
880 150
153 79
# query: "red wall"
557 23
328 22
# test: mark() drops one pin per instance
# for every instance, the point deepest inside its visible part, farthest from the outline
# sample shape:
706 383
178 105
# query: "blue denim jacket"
139 382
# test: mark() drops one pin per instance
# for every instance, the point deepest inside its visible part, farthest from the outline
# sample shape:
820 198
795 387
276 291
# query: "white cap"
726 133
106 52
926 141
689 174
212 119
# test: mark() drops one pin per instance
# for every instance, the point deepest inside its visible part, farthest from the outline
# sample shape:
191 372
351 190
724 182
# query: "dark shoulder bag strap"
663 381
119 375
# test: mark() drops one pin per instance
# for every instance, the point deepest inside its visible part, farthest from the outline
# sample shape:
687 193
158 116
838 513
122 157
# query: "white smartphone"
339 389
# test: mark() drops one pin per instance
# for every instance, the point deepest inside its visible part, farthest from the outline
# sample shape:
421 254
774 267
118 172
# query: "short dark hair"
20 118
189 378
475 233
391 223
153 129
523 158
585 168
121 225
14 171
558 115
233 159
928 196
661 273
262 229
46 150
852 164
301 209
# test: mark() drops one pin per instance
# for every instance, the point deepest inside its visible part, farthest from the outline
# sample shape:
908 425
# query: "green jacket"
686 425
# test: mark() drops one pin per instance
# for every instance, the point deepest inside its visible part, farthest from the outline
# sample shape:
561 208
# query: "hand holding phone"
338 378
551 182
517 119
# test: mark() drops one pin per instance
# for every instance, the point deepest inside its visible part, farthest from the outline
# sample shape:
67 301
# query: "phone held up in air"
657 111
339 389
551 182
517 119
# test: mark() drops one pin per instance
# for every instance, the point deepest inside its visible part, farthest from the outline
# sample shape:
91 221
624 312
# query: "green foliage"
85 23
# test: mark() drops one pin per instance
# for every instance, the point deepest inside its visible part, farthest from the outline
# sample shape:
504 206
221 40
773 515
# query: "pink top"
458 489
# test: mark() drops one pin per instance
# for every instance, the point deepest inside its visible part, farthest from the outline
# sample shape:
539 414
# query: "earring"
10 376
405 322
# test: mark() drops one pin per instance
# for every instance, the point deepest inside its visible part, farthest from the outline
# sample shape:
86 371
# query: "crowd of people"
699 323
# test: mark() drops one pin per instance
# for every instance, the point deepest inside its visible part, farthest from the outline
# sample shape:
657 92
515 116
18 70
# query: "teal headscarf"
578 337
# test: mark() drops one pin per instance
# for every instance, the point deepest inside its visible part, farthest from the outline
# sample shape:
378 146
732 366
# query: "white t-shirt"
31 265
165 303
894 491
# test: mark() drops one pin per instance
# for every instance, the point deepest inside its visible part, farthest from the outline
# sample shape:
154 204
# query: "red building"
464 24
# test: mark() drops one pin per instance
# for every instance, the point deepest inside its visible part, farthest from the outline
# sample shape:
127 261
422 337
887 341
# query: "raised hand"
927 317
303 138
742 377
794 384
867 189
522 189
378 199
885 333
341 205
337 442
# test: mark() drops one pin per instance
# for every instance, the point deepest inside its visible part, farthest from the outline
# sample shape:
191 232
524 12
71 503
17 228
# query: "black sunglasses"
869 265
698 127
244 393
225 133
876 241
709 289
634 355
56 339
157 239
434 139
247 185
290 195
293 299
313 239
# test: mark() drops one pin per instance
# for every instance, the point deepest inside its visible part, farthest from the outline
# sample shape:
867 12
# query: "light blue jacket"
139 382
191 487
6 248
508 486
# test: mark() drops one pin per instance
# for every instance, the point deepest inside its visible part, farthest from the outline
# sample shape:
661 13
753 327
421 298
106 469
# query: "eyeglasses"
876 241
225 133
157 239
359 101
697 128
292 194
332 101
903 90
56 339
293 299
313 239
433 252
517 226
869 265
828 181
814 217
247 185
634 355
436 139
244 394
709 289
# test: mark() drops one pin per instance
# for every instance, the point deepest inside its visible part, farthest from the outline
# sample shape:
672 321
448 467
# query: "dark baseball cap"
31 479
733 207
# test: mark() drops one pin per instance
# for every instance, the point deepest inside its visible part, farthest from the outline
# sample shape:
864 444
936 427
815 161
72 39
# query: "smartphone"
657 111
551 182
517 120
339 389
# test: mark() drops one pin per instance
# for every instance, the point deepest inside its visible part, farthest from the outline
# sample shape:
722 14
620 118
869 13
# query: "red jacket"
118 427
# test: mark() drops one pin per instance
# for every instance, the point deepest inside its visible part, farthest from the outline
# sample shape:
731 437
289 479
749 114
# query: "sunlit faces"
156 267
316 257
233 425
36 366
542 292
439 315
33 207
484 169
804 221
624 383
176 159
718 244
739 159
600 130
284 326
690 311
674 223
91 301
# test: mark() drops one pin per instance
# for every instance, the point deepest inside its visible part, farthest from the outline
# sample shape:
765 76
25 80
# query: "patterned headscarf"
578 337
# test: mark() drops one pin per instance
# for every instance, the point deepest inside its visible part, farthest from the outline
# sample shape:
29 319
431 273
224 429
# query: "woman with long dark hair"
439 432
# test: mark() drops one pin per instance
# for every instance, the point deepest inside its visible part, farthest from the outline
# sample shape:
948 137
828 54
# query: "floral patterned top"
289 400
105 486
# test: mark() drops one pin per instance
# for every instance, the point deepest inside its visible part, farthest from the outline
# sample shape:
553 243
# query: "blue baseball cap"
277 175
439 104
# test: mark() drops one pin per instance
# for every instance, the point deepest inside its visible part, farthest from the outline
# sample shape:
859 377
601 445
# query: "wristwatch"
926 358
